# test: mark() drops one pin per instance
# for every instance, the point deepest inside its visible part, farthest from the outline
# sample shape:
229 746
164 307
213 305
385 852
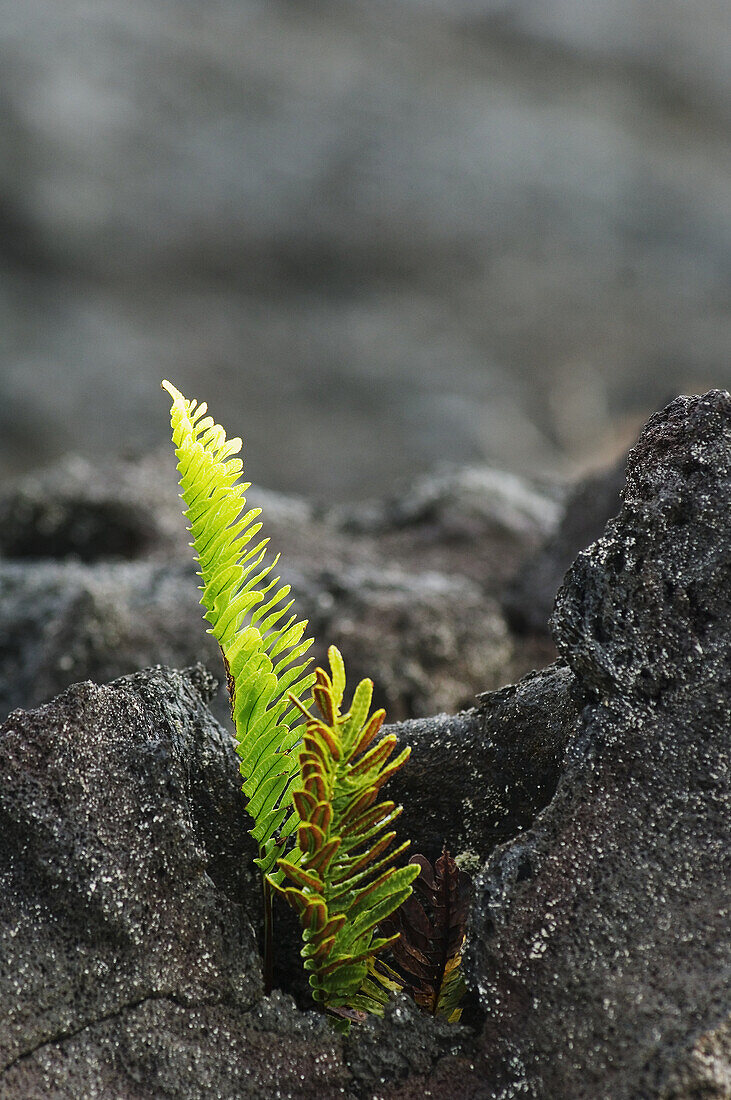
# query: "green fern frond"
344 884
263 645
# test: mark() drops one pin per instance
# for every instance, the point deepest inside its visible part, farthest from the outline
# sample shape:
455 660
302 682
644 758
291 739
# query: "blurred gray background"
376 237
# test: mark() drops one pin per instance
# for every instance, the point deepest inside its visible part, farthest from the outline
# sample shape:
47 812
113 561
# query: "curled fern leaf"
344 883
263 645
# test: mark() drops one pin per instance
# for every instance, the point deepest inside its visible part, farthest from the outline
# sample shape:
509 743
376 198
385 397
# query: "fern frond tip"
174 393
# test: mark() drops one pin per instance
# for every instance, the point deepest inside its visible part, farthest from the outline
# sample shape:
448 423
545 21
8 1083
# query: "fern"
343 885
262 644
428 952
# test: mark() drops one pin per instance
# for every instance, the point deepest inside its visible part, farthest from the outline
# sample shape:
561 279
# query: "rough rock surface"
600 938
128 961
478 777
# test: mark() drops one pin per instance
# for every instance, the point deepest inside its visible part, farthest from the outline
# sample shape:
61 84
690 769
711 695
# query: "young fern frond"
344 884
263 645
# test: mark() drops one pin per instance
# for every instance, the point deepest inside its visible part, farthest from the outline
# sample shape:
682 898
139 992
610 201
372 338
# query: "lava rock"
98 580
599 945
127 896
109 796
704 1071
163 1049
444 229
405 1043
599 940
476 778
129 963
429 641
63 622
482 519
529 597
91 512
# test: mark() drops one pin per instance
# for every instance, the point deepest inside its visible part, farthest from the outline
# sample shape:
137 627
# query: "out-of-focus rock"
68 621
427 640
599 942
529 597
379 236
704 1071
479 520
98 580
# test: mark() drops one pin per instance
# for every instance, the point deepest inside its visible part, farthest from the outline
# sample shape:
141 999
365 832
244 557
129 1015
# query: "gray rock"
478 777
704 1071
163 1049
599 945
405 1043
429 641
129 963
126 894
98 580
529 597
599 940
465 504
472 231
119 805
68 621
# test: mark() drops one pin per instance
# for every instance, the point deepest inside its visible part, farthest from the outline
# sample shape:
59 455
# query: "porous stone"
599 940
129 966
112 799
599 945
704 1071
162 1049
405 1043
475 778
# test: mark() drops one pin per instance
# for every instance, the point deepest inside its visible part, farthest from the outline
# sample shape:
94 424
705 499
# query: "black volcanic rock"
129 966
600 938
478 777
116 803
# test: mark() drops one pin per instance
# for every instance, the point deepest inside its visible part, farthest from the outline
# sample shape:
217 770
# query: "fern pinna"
344 885
262 645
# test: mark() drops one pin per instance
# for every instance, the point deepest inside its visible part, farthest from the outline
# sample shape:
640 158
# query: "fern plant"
344 883
263 645
322 834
